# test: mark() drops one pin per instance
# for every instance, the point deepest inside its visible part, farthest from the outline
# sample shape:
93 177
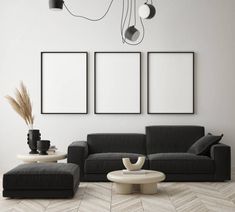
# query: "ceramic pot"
33 136
43 146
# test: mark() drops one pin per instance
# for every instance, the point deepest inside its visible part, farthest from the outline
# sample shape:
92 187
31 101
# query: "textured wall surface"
28 27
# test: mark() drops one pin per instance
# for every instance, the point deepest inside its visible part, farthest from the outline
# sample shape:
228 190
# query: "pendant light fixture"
147 11
130 34
56 4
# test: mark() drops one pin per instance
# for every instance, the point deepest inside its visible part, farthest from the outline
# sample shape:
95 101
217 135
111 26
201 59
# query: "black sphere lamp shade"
56 4
132 33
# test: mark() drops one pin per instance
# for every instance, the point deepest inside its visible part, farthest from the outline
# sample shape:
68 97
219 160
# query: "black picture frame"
193 83
95 82
42 91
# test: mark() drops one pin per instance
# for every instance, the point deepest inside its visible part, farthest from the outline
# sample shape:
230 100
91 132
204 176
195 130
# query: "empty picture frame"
117 83
64 83
170 83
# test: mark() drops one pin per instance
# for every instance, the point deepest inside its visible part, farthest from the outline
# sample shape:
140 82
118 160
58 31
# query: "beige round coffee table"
36 158
146 183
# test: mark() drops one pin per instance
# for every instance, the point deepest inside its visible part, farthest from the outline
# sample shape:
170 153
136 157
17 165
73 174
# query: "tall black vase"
33 137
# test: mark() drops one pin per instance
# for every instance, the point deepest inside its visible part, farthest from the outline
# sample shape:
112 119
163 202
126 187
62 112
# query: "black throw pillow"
203 144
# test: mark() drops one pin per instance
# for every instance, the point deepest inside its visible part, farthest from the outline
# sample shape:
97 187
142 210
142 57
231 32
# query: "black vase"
33 137
43 146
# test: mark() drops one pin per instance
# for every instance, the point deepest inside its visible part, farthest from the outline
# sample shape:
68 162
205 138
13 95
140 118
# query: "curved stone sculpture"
133 166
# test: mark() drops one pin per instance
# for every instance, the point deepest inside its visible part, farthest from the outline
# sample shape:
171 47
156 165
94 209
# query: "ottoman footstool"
42 180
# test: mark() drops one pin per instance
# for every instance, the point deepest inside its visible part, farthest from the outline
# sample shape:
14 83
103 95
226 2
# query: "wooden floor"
95 197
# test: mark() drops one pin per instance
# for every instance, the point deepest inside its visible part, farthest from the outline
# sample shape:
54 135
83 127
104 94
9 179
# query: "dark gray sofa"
165 148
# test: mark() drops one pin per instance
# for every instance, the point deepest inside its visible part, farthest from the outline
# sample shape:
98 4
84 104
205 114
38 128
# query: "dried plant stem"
22 105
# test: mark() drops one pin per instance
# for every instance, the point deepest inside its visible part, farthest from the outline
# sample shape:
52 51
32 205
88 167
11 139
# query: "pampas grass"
22 105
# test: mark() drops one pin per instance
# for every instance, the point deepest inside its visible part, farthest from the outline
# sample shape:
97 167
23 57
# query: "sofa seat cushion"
42 176
103 163
181 163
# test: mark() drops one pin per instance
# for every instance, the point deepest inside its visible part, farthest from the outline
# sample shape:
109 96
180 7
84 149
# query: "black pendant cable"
89 19
123 21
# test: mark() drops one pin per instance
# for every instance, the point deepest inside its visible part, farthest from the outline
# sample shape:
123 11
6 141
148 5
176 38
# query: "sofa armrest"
221 154
77 153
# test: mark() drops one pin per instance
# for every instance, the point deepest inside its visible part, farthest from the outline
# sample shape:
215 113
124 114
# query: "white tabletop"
51 157
149 177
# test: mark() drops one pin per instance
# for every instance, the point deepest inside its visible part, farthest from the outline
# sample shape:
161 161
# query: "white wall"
27 27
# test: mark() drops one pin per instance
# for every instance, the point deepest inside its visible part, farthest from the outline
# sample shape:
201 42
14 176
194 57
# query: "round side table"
36 158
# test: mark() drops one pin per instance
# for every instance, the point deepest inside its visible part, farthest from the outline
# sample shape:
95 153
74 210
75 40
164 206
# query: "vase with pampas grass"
23 106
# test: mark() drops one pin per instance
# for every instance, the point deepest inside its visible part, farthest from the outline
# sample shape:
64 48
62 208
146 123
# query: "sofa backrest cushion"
131 143
160 139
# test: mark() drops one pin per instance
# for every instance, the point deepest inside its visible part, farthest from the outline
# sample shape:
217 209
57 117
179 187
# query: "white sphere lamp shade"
147 11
